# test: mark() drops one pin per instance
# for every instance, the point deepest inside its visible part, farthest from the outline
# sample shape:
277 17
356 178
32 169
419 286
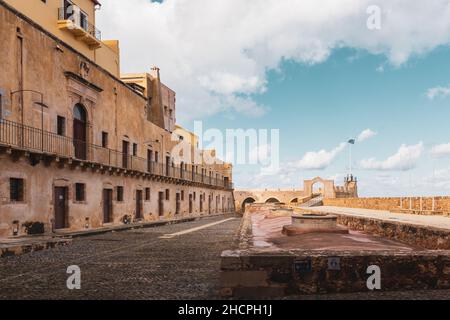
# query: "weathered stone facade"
70 131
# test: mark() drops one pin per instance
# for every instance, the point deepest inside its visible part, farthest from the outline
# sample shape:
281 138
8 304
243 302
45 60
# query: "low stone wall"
248 275
416 205
424 237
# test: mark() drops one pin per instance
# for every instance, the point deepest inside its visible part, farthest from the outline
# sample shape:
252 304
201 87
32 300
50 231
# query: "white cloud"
321 159
405 159
366 134
217 53
440 150
436 92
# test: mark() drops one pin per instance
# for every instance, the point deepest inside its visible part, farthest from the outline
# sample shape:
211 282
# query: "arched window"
79 113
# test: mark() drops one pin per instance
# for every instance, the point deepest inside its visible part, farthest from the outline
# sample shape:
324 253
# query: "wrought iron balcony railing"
22 137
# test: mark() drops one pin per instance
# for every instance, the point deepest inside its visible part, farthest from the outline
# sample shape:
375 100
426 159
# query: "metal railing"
28 138
70 14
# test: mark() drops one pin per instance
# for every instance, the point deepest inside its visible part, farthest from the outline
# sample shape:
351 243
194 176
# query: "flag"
351 141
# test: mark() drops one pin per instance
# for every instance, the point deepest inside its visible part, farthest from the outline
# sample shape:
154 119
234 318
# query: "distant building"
82 145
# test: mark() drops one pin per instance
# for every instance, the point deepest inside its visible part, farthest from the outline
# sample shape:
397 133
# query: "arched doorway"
79 131
318 188
272 200
247 201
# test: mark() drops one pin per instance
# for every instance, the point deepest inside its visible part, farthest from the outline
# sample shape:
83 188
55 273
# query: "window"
156 156
135 149
120 193
165 110
61 126
167 194
84 21
195 196
182 195
147 194
16 187
104 139
80 192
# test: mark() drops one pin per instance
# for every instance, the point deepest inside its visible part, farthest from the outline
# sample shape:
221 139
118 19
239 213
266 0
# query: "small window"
147 194
61 126
156 156
105 139
80 192
135 149
167 194
120 194
16 187
195 196
182 195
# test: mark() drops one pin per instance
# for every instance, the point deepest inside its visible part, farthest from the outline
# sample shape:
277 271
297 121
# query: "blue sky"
319 75
317 107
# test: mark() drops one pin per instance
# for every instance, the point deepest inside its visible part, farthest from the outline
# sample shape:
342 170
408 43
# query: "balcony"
16 136
77 24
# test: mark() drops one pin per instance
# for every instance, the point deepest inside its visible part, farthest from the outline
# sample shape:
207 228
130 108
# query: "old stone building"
82 146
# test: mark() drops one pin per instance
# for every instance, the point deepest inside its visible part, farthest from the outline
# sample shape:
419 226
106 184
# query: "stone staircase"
314 202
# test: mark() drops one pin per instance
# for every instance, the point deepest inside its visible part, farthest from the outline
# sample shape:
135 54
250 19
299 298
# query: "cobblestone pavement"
133 264
138 264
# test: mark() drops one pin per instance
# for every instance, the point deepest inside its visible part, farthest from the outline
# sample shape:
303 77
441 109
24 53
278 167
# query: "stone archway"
328 190
272 200
247 201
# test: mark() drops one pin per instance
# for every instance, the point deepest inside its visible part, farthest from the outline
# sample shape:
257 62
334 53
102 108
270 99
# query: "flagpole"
350 159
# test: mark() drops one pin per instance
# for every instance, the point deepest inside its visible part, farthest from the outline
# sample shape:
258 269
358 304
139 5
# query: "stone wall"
263 275
421 236
419 205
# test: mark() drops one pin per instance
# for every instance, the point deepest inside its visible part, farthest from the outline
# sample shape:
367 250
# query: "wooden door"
60 206
107 205
138 204
177 203
125 148
79 139
161 203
